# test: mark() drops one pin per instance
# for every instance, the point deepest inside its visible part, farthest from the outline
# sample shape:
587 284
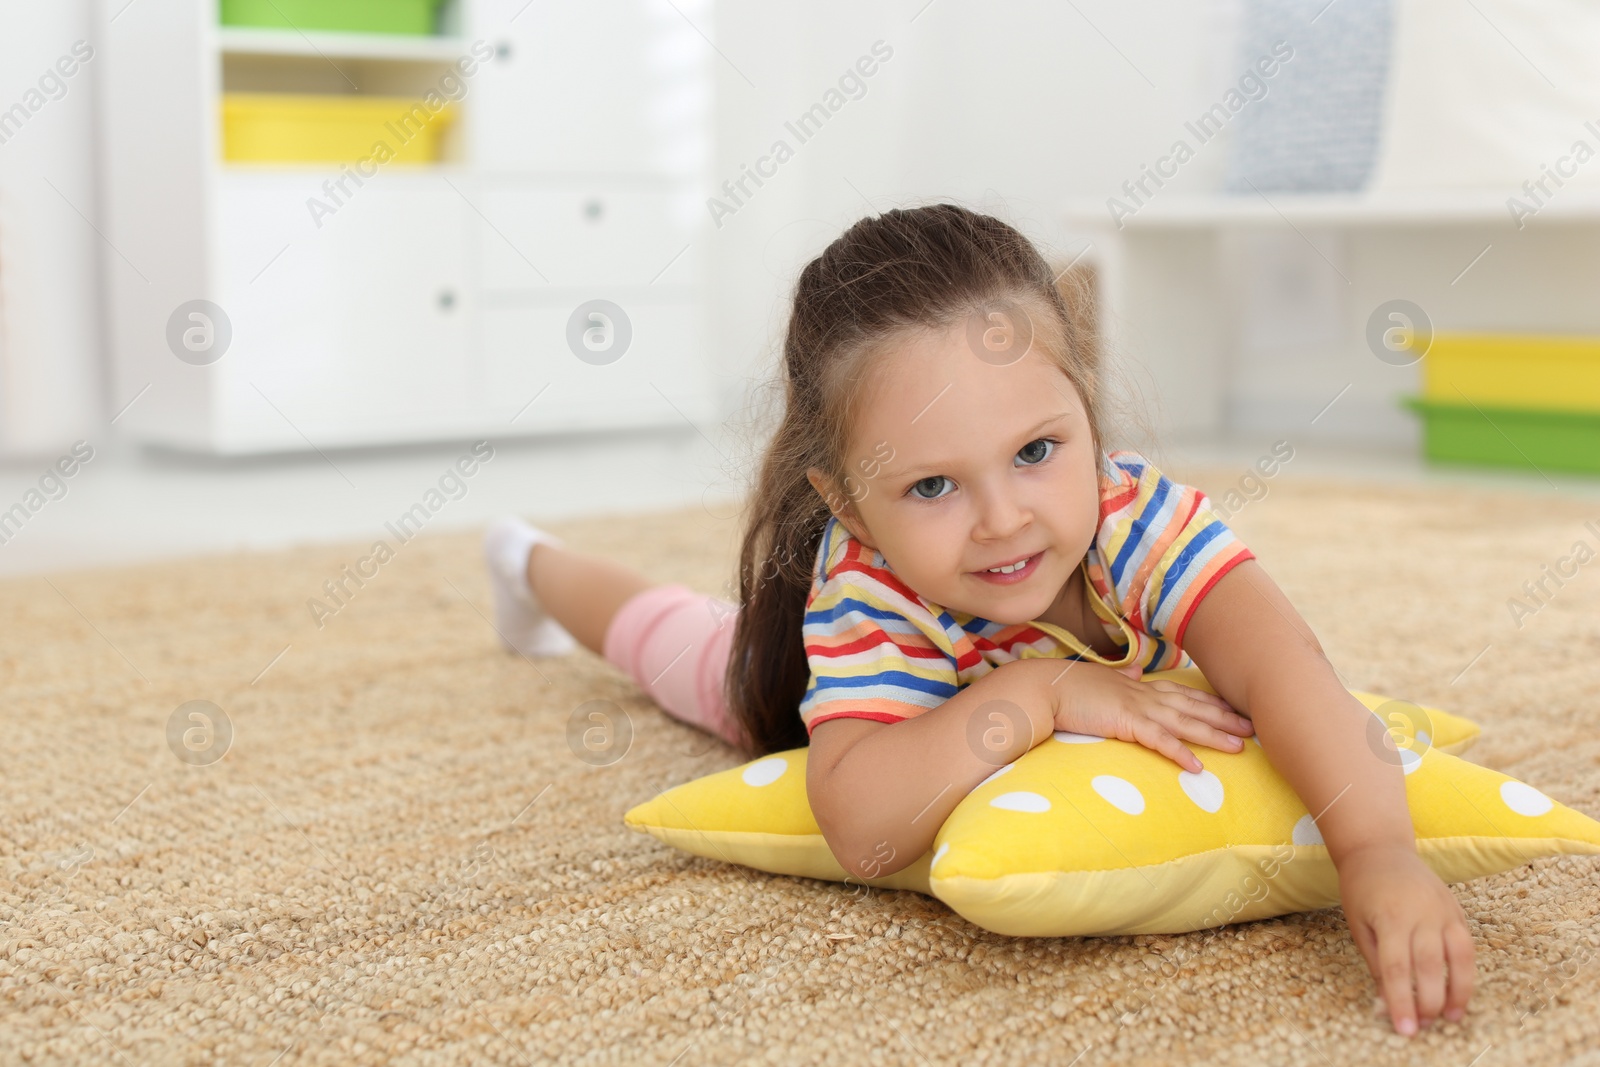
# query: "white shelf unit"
432 302
253 41
1247 315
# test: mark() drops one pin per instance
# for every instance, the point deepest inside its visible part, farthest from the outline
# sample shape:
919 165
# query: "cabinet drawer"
533 236
661 378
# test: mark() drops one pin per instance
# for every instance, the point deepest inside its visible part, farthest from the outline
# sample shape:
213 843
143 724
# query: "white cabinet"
588 234
434 300
548 250
528 357
380 300
592 86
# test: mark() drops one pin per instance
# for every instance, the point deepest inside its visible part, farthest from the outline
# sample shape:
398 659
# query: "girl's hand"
1091 698
1408 925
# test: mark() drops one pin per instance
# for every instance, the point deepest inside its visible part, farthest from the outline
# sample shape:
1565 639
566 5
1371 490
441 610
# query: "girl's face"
958 465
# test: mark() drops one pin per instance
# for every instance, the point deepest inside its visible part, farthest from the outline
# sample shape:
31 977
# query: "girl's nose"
1000 515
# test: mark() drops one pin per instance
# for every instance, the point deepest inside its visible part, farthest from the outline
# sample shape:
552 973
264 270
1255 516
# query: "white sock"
520 619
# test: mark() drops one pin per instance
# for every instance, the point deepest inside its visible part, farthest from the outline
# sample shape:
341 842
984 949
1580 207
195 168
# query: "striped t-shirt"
880 651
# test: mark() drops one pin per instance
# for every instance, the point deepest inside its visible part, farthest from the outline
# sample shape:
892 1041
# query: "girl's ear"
843 507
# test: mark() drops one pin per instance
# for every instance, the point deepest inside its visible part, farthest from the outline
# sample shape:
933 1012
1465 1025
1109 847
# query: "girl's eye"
1033 453
1029 450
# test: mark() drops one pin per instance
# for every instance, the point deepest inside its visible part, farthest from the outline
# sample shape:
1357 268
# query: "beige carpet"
400 859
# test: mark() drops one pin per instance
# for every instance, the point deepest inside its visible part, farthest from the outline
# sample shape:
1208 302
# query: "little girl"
937 544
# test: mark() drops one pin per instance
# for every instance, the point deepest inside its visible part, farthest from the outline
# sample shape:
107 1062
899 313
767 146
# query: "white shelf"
246 41
1390 208
1254 314
313 172
427 301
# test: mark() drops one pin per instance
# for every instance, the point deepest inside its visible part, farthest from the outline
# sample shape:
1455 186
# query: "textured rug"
396 857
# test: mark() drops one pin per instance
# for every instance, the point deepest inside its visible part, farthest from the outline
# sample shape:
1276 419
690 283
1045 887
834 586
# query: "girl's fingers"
1394 971
1223 717
1187 726
1373 948
1458 951
1367 942
1190 691
1427 957
1153 736
1206 706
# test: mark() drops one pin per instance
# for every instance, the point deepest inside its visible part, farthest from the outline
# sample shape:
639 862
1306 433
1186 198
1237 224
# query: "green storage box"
1529 438
349 16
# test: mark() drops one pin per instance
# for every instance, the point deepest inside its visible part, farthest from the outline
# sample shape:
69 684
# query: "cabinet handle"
447 299
502 50
593 209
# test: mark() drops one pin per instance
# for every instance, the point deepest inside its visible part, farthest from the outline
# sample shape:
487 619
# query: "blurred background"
269 269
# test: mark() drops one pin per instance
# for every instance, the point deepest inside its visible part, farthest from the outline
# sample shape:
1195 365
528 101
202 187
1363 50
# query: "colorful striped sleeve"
876 651
1163 546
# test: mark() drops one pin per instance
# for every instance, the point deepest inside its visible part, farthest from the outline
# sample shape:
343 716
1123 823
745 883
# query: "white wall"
1010 109
50 336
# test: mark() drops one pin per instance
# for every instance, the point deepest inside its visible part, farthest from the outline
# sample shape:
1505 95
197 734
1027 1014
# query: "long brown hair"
905 270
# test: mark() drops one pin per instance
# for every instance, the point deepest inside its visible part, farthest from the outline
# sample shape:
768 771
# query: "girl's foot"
520 619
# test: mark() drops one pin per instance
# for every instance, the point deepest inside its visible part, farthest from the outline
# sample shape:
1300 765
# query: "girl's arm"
1260 656
880 791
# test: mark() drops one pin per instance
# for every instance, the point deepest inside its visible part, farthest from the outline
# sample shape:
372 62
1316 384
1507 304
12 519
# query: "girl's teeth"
1011 569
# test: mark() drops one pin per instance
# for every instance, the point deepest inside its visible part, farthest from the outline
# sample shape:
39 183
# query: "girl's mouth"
1020 574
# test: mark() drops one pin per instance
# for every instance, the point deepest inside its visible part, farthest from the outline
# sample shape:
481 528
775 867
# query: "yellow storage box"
1513 371
312 128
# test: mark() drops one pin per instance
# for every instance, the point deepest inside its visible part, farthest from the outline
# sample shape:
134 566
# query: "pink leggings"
674 643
